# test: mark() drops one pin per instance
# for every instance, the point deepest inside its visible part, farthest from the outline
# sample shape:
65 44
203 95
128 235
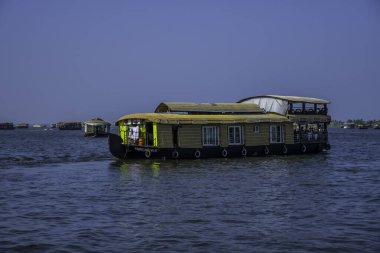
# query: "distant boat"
22 125
96 127
376 126
69 125
362 126
6 126
39 126
348 125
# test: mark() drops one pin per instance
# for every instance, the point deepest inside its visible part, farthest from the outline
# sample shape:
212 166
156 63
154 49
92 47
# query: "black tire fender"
175 154
243 151
303 148
224 153
266 150
284 149
148 153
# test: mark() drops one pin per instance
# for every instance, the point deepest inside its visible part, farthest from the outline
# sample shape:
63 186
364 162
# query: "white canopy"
270 104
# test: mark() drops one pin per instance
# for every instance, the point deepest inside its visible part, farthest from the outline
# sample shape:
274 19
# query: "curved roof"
168 118
208 108
97 121
291 99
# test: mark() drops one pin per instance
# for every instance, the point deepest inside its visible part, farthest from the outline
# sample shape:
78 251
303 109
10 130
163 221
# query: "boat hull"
116 147
70 128
123 151
7 126
96 134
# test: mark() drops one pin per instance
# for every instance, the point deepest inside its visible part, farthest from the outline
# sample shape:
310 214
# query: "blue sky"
74 60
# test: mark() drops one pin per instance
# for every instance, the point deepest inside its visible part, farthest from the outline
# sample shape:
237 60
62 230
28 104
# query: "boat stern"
116 147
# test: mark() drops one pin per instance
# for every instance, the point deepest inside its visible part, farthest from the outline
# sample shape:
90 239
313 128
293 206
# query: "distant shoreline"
357 123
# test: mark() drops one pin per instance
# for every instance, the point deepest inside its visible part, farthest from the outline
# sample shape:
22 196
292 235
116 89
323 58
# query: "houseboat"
377 126
96 127
69 125
39 125
6 126
22 125
362 126
265 125
348 125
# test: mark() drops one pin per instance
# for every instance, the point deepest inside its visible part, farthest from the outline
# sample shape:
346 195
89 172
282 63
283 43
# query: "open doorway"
149 133
175 135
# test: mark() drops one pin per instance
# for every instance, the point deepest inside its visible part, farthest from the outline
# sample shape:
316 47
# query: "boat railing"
298 111
142 142
310 137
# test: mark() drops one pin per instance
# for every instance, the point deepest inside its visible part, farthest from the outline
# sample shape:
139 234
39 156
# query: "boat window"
309 108
210 135
296 108
256 129
234 135
276 134
321 109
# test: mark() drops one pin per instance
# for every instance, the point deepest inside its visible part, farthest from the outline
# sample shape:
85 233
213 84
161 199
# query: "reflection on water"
135 167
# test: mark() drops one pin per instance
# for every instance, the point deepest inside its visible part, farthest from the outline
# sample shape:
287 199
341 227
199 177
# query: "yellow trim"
123 133
171 118
155 140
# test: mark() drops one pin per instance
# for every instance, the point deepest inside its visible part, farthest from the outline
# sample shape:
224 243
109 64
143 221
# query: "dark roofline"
294 99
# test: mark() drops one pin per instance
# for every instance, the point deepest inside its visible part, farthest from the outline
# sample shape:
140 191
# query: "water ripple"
69 196
37 147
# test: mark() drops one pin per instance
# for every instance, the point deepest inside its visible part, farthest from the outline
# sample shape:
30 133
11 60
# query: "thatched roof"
96 121
208 108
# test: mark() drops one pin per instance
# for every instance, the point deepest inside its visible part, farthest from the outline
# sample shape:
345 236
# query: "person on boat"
309 134
134 134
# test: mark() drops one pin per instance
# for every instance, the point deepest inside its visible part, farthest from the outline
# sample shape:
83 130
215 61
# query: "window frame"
256 129
277 136
241 140
208 133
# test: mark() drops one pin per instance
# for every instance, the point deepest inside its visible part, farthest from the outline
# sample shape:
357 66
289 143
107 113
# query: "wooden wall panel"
256 139
289 133
223 136
190 136
165 137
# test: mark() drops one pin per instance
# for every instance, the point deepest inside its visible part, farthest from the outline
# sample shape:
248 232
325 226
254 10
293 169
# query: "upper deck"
290 106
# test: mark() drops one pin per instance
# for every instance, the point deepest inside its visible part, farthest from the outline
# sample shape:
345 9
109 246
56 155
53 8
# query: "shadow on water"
309 166
221 163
